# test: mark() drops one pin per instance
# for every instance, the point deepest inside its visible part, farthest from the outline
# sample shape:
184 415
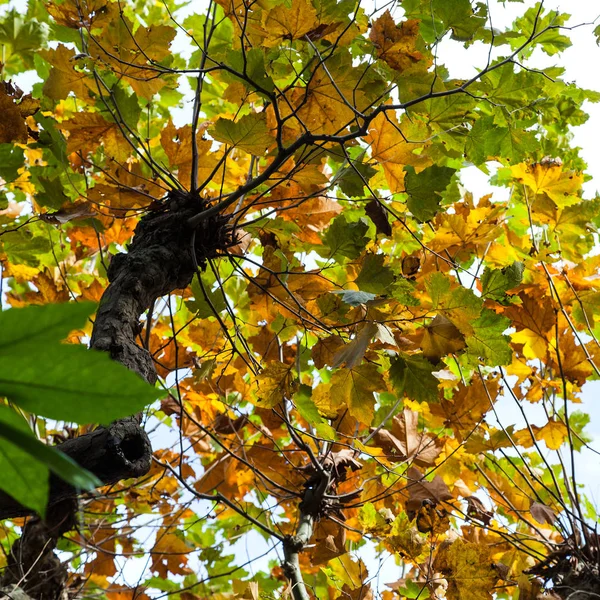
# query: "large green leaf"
11 160
424 190
40 325
496 282
25 462
23 477
346 239
374 277
488 341
412 375
64 381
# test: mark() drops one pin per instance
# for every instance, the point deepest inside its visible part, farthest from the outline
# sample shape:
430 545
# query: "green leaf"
250 133
51 137
412 375
206 301
488 141
51 192
308 410
12 159
374 277
12 430
496 282
547 28
458 303
351 179
23 478
354 298
488 341
63 381
459 17
250 64
346 239
127 107
40 325
220 39
20 38
23 247
424 190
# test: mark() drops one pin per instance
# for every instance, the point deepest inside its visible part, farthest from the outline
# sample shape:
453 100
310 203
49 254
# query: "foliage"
369 319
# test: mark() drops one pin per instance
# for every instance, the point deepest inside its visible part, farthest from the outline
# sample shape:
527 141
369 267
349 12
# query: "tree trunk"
162 257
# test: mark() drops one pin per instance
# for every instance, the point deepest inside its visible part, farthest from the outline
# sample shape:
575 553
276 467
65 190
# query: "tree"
333 323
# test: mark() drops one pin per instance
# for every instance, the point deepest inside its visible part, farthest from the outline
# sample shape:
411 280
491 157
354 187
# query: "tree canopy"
260 209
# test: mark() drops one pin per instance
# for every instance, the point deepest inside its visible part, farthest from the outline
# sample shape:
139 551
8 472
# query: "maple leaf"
250 133
132 54
440 338
274 384
340 320
396 43
15 108
550 179
89 130
468 568
289 22
64 76
179 148
397 145
351 389
405 442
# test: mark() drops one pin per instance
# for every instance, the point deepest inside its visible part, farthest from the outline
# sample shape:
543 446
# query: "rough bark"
120 451
162 257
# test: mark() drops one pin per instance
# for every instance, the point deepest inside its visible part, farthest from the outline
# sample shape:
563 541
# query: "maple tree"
327 320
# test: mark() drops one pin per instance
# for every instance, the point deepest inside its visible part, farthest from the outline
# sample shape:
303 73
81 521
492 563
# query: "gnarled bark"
162 257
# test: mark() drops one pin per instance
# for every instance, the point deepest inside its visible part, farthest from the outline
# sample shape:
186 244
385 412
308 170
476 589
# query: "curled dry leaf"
542 514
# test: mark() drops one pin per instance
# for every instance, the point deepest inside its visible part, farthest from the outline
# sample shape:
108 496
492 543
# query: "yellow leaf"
348 571
554 433
468 567
396 43
352 389
177 144
88 14
130 54
289 23
63 76
395 145
274 384
550 179
87 131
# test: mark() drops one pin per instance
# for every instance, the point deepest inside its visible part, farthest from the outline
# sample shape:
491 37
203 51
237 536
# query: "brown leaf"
325 349
405 442
422 490
329 541
225 425
15 108
542 513
476 510
353 352
340 461
441 337
71 212
377 214
396 43
410 265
